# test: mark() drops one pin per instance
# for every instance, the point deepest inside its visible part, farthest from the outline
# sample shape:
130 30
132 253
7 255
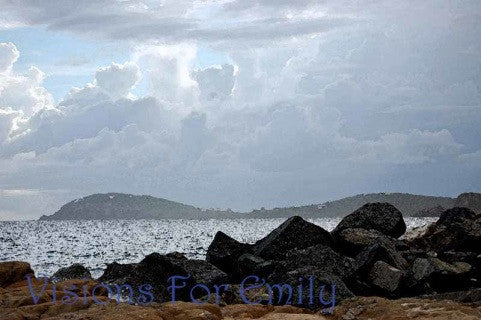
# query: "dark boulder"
249 264
116 272
328 290
352 241
224 251
434 275
458 229
294 233
321 257
384 278
156 269
13 271
379 252
382 217
75 271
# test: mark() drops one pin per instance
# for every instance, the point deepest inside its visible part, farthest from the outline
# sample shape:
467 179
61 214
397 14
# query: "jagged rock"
382 217
458 229
470 200
322 257
294 233
155 269
379 252
385 277
13 271
75 271
249 264
413 254
329 286
224 251
352 241
434 274
116 272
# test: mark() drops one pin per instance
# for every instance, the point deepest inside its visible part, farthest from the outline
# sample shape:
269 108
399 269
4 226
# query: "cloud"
8 55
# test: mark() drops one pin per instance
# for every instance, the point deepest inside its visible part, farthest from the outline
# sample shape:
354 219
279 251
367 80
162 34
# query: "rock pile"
362 256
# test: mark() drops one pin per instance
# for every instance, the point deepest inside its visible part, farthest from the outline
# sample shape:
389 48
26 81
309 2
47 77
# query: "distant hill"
408 204
126 206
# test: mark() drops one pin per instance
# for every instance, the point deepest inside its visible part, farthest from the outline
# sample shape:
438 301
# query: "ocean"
50 245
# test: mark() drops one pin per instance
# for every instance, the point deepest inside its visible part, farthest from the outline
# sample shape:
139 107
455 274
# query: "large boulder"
384 278
13 271
383 217
323 258
352 241
249 264
458 229
294 233
75 271
156 269
224 251
434 275
330 287
117 272
385 252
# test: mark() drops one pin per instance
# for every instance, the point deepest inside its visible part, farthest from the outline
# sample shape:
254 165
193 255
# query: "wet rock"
382 217
434 275
379 252
385 278
249 264
352 241
294 233
224 251
458 229
13 271
75 271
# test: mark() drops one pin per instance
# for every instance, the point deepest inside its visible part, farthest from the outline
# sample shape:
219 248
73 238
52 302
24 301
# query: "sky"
237 103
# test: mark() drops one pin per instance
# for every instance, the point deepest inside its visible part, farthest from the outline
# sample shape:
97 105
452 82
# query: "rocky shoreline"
367 267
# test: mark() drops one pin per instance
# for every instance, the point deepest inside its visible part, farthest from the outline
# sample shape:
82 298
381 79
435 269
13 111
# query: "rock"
116 272
13 271
385 277
223 252
249 264
352 241
75 271
329 286
375 308
382 217
294 233
323 258
470 200
472 296
458 229
379 252
155 269
432 274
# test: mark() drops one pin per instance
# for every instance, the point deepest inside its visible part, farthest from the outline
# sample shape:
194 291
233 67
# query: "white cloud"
8 55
